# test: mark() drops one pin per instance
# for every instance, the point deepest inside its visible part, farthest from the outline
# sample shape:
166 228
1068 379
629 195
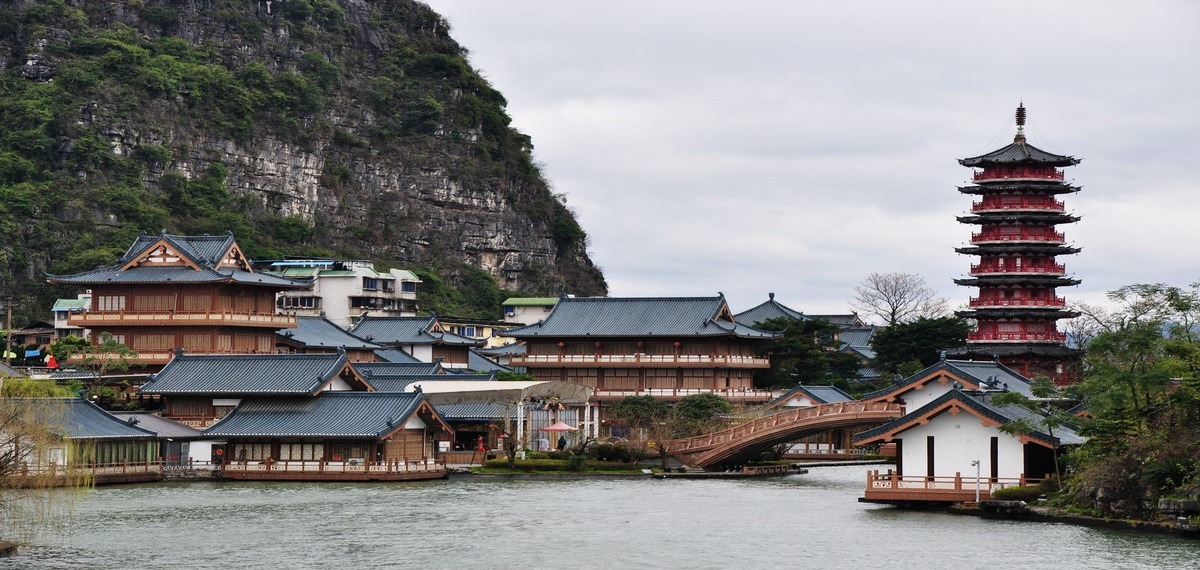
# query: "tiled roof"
70 305
981 403
397 356
861 351
407 330
369 369
510 349
203 250
75 418
1018 152
160 426
477 362
843 320
246 374
985 373
769 309
530 302
639 317
7 371
322 332
331 414
819 394
476 412
400 383
856 336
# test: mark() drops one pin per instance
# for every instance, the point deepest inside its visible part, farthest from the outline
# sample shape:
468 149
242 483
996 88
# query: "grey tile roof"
982 403
160 426
639 317
820 394
769 309
397 356
842 320
400 383
856 336
246 374
202 250
475 412
7 371
407 330
983 373
1018 152
510 349
477 362
369 369
75 418
331 414
322 332
861 351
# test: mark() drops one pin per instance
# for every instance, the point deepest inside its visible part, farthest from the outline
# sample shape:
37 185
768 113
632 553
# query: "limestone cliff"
347 128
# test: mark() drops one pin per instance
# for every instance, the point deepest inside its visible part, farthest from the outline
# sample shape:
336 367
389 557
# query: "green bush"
533 465
616 452
1027 494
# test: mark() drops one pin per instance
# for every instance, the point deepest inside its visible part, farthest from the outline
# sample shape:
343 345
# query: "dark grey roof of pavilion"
370 369
322 332
510 349
982 373
981 402
400 383
819 394
331 414
1019 152
477 362
767 310
856 336
160 426
407 330
205 251
246 374
76 418
395 355
475 412
639 317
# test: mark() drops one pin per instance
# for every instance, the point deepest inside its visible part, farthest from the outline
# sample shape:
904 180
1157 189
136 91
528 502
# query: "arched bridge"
742 443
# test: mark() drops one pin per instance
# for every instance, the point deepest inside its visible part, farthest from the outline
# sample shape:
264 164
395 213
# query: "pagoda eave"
1048 187
1013 218
1019 281
1017 313
1001 350
1013 248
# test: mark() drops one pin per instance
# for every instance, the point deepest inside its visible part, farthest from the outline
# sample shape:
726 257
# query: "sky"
796 147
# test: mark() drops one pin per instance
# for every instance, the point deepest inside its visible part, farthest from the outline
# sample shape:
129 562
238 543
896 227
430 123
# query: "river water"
804 521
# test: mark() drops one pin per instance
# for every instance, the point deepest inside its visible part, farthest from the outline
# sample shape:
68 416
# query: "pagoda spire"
1020 138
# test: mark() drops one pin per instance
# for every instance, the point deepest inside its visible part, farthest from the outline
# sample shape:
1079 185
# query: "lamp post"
976 465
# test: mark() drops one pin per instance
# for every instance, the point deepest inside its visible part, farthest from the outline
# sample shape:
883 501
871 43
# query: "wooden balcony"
1011 269
991 336
90 319
395 470
745 396
639 361
991 204
1025 235
96 474
990 174
890 488
1052 303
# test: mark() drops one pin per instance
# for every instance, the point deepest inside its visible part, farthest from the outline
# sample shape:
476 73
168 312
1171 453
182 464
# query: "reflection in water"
811 521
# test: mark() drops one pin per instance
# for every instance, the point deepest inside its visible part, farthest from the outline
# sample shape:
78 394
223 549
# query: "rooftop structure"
421 337
345 290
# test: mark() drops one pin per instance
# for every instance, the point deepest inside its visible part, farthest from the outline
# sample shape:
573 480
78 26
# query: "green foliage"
807 354
702 408
640 412
557 465
31 388
616 452
423 116
514 377
921 340
1027 494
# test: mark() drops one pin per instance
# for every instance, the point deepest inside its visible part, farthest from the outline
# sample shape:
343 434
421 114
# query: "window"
510 311
408 287
301 451
370 284
389 285
154 302
299 303
153 342
466 331
110 303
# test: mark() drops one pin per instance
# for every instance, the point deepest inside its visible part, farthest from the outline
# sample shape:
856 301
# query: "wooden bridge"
744 442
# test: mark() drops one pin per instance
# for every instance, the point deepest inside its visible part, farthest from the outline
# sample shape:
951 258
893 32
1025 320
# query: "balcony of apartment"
1029 204
639 361
1024 235
1014 174
890 488
1018 336
1018 269
1017 302
92 319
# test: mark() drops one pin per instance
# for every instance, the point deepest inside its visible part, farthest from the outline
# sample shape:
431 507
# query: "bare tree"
897 298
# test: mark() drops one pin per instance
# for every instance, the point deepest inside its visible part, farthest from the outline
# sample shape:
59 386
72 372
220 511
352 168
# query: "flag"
33 353
51 362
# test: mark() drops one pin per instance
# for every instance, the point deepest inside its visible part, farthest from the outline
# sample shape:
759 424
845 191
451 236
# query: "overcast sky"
796 147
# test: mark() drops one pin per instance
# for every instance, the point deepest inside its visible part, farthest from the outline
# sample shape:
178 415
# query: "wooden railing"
217 318
642 359
889 485
1021 236
1050 269
393 466
1018 174
672 393
990 336
86 470
989 204
1016 302
787 417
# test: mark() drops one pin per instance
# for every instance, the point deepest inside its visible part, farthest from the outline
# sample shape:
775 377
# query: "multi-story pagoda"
1017 308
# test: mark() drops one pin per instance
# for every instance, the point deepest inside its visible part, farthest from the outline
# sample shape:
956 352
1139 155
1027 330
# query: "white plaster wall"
414 422
226 401
422 352
959 440
201 451
338 385
931 391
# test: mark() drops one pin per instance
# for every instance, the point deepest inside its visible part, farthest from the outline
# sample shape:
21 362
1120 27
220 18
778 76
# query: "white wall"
932 390
415 422
959 440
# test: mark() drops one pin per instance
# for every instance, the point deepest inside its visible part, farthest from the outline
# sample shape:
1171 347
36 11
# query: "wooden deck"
104 474
892 489
334 470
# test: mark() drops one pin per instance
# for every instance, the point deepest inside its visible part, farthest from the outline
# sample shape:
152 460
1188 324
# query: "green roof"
530 302
70 304
406 275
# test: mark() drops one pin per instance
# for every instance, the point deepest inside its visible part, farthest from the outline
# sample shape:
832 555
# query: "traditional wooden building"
949 443
88 445
170 292
335 436
421 337
667 347
1018 273
319 335
198 390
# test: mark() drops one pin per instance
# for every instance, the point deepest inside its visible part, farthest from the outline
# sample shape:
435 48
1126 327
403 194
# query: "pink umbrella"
559 426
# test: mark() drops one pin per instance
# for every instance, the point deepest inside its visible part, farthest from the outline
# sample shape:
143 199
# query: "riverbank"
1019 511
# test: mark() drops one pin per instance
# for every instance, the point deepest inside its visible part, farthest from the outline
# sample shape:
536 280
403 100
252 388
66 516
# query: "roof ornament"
771 296
1020 138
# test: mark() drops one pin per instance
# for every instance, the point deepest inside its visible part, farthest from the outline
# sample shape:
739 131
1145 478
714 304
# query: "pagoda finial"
1020 138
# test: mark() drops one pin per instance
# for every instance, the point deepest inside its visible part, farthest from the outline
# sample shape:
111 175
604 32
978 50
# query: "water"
806 521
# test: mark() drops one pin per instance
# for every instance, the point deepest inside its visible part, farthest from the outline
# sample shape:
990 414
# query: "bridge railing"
785 417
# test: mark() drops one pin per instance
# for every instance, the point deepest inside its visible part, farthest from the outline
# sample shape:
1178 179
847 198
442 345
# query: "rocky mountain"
307 127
